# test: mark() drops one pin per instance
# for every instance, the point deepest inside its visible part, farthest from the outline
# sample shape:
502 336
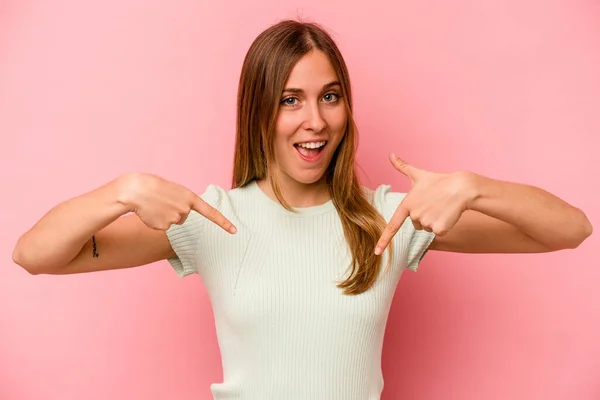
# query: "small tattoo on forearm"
95 254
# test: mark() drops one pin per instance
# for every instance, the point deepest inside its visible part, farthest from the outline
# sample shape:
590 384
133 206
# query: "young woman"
300 261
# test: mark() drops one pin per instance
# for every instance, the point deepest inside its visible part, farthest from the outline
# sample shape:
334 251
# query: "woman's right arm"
61 241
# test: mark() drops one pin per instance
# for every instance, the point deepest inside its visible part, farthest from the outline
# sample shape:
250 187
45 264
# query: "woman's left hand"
434 203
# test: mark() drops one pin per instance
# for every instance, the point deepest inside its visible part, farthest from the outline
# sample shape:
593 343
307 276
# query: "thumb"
402 166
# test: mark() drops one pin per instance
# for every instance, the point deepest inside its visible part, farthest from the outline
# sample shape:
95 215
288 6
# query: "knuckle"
163 226
393 227
191 196
438 228
173 217
443 232
415 216
193 202
212 213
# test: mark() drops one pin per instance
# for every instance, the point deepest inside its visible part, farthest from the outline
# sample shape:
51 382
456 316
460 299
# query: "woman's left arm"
507 217
471 213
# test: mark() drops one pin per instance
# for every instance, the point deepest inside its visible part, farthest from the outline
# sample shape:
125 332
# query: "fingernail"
232 229
394 155
377 250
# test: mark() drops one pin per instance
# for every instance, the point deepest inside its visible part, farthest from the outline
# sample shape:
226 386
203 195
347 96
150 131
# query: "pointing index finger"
392 228
213 214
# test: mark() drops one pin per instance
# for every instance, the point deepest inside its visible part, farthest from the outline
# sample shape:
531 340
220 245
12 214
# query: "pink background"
509 89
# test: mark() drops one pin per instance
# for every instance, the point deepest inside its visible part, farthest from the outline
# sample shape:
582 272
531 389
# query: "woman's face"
311 120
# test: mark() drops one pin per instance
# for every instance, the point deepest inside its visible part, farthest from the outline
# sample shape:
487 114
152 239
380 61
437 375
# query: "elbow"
20 258
587 228
583 231
571 236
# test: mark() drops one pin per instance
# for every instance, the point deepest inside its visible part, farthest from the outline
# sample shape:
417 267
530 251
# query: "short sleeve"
413 243
185 238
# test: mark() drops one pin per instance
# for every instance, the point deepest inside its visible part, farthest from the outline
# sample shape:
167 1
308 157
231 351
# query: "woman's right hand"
159 203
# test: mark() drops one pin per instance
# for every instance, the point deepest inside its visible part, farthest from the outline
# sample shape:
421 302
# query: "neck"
298 194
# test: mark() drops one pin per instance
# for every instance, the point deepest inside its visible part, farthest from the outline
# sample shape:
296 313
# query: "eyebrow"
325 87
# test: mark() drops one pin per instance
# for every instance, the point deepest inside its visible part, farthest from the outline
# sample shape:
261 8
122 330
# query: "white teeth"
312 145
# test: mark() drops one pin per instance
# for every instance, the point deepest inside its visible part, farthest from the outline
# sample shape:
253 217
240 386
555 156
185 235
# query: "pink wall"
90 90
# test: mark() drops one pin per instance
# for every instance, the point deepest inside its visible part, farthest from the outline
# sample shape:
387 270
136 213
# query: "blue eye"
331 97
289 101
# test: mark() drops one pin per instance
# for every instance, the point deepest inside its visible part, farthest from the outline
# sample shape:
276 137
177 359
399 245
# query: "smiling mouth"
310 151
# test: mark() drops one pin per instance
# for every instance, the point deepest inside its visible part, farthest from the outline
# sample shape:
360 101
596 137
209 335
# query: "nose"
314 120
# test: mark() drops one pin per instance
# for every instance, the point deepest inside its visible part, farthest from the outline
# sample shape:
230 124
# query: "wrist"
474 187
485 189
123 190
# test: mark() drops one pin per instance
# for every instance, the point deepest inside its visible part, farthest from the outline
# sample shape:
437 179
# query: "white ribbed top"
284 329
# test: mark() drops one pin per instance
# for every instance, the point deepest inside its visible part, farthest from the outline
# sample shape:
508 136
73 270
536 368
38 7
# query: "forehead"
314 70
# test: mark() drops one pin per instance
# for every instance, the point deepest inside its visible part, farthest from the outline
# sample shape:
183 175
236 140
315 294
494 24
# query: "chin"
308 177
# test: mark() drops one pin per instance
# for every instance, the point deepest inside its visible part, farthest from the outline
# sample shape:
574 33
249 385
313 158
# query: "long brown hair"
266 68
